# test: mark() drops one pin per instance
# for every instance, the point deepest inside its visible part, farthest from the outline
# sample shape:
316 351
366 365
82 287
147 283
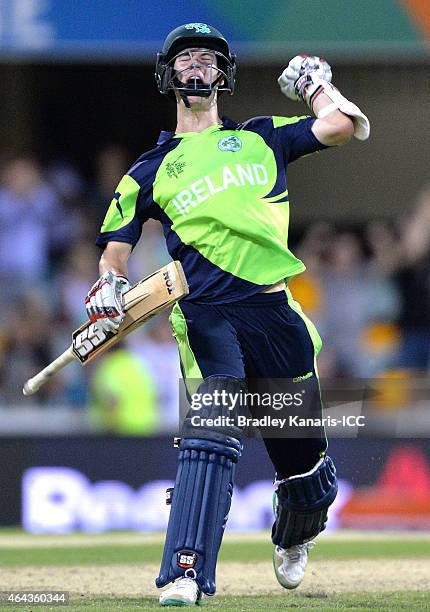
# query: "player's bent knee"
302 504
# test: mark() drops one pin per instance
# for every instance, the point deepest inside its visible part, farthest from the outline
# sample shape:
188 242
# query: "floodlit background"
78 104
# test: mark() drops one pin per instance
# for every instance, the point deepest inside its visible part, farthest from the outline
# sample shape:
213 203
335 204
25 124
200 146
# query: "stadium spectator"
72 277
159 353
32 223
110 164
27 335
413 277
123 399
351 294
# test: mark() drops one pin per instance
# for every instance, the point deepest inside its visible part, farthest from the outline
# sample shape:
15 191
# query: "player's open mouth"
195 81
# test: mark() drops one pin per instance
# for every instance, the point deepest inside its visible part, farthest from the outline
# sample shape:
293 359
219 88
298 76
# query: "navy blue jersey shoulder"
292 140
143 171
145 167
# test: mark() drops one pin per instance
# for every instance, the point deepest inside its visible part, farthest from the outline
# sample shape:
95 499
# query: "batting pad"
200 506
302 504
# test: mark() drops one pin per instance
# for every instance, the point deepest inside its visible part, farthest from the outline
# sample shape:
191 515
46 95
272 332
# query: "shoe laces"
294 552
183 582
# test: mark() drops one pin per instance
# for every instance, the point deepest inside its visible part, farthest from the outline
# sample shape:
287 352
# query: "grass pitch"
116 571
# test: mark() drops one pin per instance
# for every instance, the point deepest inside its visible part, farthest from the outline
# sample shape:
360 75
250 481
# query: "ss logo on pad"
186 559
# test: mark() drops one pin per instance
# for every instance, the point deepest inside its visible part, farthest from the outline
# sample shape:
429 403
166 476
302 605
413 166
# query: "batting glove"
299 74
104 301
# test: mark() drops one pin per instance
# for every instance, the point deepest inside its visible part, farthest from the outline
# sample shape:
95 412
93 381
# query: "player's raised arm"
308 78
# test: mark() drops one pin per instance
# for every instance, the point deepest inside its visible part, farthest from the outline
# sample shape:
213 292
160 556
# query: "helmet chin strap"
185 93
184 97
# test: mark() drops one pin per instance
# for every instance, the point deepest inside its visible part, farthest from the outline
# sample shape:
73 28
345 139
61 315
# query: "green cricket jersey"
222 198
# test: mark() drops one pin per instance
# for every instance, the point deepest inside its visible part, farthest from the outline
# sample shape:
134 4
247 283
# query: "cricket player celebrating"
219 189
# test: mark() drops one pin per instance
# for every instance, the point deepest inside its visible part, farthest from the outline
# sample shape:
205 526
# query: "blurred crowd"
367 288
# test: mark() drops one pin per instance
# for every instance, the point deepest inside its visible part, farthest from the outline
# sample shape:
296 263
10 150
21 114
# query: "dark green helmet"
195 36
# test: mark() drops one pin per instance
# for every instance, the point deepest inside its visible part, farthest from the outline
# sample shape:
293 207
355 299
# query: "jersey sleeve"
129 209
295 136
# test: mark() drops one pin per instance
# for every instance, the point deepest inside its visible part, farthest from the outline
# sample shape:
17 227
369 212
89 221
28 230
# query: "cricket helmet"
195 36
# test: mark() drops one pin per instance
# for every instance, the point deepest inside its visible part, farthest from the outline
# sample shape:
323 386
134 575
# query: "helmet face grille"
218 76
195 36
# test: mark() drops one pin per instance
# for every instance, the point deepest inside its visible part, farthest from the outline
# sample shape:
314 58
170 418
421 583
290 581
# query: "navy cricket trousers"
263 336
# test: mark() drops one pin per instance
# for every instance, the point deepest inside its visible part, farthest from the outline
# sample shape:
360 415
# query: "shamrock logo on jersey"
198 27
231 143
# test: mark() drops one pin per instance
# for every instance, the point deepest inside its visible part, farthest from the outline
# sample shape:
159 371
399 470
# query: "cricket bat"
148 297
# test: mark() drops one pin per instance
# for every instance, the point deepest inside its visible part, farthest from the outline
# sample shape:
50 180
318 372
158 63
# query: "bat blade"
154 293
148 297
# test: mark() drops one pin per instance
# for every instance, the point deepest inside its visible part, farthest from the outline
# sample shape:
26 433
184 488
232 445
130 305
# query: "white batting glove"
104 301
296 76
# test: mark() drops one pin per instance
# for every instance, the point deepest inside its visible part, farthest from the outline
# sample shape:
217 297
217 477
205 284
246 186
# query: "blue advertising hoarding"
56 485
134 29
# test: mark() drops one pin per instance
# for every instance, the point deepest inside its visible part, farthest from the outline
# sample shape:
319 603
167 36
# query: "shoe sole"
178 603
283 584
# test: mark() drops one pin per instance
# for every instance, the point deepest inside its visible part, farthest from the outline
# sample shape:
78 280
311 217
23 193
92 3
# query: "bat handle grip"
33 384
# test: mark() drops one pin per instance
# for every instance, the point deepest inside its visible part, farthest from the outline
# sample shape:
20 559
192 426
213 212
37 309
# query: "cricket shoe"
290 564
183 592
